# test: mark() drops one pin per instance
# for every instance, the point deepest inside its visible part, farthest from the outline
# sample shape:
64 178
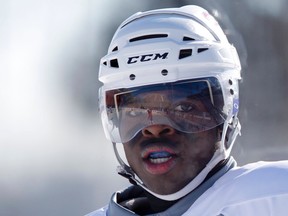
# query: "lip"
159 165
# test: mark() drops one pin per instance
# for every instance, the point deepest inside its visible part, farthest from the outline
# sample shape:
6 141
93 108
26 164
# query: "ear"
219 132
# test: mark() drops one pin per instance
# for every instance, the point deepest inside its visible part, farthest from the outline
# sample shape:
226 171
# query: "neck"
158 205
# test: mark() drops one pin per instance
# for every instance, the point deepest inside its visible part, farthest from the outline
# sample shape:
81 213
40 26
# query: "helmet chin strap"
124 170
220 154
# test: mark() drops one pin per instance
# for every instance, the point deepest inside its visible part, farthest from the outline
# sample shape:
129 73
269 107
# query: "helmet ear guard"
234 129
229 132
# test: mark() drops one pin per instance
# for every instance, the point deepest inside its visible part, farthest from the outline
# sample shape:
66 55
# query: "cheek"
202 145
131 154
127 151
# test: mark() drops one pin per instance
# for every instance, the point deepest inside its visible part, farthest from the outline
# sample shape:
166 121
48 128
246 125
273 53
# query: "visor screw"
230 82
132 76
164 72
231 92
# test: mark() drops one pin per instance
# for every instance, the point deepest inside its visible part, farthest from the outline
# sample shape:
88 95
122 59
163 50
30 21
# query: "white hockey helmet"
173 46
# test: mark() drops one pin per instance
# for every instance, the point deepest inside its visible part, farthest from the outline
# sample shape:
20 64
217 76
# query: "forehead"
167 90
160 97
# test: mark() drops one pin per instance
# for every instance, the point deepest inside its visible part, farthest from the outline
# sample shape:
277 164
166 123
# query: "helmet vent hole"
145 37
115 49
132 77
202 50
231 92
230 82
188 38
105 62
185 53
164 72
114 63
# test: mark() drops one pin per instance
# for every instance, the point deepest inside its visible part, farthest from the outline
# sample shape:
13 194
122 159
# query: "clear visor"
189 106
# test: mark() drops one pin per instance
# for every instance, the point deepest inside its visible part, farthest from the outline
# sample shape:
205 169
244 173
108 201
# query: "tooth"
159 160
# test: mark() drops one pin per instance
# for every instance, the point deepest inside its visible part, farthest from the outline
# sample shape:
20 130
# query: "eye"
185 107
133 112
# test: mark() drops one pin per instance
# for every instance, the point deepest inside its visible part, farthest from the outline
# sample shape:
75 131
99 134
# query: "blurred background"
54 158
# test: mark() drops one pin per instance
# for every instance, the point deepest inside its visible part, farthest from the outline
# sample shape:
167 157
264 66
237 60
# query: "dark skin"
191 153
164 158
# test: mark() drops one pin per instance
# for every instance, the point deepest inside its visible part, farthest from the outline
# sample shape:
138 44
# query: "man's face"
166 159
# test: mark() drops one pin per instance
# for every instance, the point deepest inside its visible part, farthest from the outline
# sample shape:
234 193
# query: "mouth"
159 160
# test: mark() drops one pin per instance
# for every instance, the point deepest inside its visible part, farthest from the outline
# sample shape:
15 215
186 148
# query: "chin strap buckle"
127 174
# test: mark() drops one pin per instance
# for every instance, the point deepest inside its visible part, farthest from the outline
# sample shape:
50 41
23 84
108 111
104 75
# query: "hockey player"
177 65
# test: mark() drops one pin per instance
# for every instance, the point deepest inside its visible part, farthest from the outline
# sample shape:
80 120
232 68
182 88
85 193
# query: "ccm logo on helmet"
147 57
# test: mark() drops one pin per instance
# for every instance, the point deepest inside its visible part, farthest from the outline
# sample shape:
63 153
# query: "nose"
157 131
